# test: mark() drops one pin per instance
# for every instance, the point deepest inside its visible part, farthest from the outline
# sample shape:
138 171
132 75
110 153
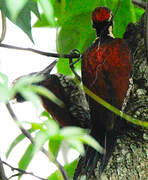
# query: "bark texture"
129 160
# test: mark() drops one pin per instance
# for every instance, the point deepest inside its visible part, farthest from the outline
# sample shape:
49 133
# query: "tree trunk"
129 160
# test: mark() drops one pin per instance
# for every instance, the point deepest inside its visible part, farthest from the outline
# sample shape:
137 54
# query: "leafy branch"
28 135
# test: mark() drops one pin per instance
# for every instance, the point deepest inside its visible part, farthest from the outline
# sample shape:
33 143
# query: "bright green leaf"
27 157
31 96
4 93
33 6
54 146
16 141
23 82
70 169
47 7
40 138
35 126
4 90
76 144
56 176
47 93
45 114
3 79
43 22
22 86
26 80
87 139
52 128
14 7
69 132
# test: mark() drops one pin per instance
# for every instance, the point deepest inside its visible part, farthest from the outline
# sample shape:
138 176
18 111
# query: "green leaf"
47 93
16 141
69 132
3 79
47 7
43 22
26 80
35 126
45 114
40 138
70 169
54 146
52 128
31 96
73 135
20 13
56 176
22 86
32 5
87 139
76 33
4 90
4 93
76 144
14 7
76 136
27 157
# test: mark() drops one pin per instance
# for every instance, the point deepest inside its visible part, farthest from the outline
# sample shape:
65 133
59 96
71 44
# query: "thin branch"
139 3
21 172
2 172
24 131
3 33
28 135
56 55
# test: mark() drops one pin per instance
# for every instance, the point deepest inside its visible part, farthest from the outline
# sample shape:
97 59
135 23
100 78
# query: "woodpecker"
75 111
106 69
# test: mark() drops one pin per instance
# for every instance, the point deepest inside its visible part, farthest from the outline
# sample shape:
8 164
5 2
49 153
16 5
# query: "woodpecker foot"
71 63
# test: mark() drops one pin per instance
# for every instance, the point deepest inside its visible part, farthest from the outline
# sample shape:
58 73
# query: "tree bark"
129 160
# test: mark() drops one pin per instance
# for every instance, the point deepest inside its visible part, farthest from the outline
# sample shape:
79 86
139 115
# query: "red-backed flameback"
106 68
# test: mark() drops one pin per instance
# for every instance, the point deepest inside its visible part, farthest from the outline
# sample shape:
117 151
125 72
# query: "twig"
139 3
28 135
24 131
2 172
3 33
56 55
21 172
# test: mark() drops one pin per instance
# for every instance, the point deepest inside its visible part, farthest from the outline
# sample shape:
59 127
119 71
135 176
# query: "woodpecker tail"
88 163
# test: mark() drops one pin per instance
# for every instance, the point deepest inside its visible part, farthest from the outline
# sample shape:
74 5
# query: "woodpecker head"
102 20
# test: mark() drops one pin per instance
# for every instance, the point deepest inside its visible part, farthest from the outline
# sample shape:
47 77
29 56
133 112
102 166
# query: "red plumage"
106 68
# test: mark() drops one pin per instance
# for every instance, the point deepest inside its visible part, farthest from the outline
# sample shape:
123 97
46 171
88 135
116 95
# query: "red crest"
101 14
